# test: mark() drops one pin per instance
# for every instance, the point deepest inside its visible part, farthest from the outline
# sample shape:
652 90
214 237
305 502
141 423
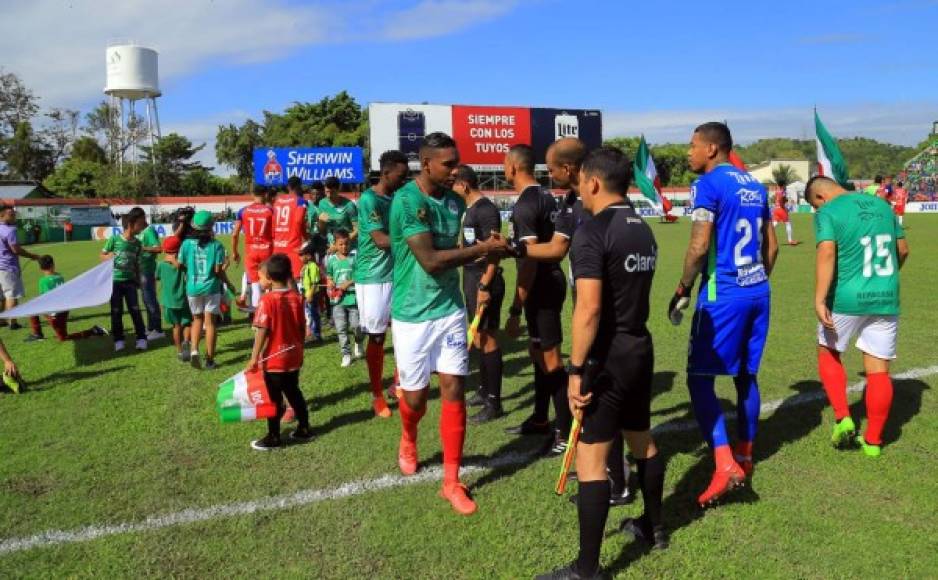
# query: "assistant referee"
614 259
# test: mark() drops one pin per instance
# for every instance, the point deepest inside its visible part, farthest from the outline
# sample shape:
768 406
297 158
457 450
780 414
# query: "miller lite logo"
566 126
273 171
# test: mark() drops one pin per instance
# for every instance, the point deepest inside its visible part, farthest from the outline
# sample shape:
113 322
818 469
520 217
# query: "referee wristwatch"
576 370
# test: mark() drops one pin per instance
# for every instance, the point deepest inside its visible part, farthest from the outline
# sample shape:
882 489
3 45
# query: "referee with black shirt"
539 293
483 283
614 258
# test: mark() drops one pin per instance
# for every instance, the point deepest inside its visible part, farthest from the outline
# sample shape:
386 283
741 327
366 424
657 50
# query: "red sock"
878 402
409 420
397 379
834 378
374 356
744 449
723 457
453 435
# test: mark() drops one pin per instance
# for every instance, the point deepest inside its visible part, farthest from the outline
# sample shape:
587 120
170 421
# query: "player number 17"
882 242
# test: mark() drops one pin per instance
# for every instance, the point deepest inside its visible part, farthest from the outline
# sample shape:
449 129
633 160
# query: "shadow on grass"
55 379
906 404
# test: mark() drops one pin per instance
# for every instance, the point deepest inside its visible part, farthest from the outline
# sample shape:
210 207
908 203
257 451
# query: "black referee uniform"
481 219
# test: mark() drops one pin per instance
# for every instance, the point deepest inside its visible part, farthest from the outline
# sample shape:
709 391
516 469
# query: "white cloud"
900 123
430 18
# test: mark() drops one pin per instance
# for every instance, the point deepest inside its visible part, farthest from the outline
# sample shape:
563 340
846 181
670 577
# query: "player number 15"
882 242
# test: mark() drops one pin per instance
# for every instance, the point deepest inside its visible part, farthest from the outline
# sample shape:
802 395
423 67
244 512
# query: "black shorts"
543 308
621 390
492 318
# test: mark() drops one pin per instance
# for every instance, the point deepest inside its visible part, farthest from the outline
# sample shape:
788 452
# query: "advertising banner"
162 230
485 134
273 166
90 216
548 125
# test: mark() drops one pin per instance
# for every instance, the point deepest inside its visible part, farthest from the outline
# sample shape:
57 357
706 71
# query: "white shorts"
876 334
207 304
421 348
374 306
11 284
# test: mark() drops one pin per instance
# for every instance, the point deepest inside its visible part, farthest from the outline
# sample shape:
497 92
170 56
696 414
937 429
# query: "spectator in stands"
11 278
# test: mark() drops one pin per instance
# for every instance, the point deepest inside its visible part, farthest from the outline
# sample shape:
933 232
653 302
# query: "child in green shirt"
125 249
59 320
203 259
341 289
311 280
173 297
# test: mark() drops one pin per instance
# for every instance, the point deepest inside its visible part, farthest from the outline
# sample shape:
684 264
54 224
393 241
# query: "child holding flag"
278 349
173 297
58 320
341 288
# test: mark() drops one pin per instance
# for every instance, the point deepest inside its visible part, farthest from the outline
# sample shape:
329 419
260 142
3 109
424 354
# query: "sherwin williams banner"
273 166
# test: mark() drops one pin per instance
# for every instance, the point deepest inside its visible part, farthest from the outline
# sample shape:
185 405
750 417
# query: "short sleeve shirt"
740 206
200 261
172 285
280 311
257 226
340 271
342 215
532 219
50 282
481 219
372 264
289 231
619 248
9 262
126 257
148 239
418 295
866 233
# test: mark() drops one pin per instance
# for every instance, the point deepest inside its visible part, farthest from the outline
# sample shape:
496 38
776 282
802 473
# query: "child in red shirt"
280 325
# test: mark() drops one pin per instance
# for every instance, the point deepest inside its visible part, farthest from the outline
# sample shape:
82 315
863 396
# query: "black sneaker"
570 572
488 413
99 331
301 434
476 400
34 338
267 443
529 427
556 445
639 529
210 364
15 326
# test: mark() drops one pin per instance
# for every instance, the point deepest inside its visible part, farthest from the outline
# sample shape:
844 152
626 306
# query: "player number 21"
882 242
744 228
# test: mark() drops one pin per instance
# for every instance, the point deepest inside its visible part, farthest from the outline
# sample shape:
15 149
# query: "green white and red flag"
646 177
244 397
737 161
830 161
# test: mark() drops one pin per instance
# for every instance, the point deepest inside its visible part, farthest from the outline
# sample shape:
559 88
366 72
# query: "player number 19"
882 242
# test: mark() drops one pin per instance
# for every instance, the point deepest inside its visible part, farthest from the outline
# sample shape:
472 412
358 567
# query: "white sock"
788 231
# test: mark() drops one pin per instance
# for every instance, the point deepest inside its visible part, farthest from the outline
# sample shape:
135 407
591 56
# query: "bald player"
540 291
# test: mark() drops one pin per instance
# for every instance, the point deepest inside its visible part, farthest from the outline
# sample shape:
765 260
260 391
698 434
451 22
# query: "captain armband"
702 214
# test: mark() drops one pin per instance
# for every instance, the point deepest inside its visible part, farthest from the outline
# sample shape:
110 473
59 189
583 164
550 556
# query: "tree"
87 149
234 147
783 175
26 156
169 161
61 132
76 177
18 104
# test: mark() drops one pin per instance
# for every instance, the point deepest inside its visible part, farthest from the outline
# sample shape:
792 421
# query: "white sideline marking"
311 496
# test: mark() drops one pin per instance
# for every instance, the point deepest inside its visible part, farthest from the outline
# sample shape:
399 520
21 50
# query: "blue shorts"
728 338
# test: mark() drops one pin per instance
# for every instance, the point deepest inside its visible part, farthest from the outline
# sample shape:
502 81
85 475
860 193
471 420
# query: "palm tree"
783 175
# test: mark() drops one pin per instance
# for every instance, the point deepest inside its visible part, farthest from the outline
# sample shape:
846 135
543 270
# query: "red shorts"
899 209
252 262
779 215
296 264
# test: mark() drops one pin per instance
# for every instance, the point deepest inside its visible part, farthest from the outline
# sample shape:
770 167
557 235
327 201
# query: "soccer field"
115 465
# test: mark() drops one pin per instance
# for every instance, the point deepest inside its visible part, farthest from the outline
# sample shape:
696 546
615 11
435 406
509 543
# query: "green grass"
109 438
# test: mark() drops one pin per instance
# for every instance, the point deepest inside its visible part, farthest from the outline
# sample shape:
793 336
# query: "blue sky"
655 67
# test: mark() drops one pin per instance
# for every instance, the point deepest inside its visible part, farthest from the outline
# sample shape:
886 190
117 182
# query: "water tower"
133 75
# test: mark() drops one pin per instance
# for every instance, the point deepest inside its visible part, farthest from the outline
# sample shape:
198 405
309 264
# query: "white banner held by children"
91 288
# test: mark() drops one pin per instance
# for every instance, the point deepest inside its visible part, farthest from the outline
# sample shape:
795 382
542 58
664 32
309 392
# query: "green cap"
202 220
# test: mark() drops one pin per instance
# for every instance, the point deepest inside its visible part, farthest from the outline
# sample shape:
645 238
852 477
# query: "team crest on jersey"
452 207
375 216
423 216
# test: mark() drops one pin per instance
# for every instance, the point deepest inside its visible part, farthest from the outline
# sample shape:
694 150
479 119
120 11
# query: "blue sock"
707 409
748 403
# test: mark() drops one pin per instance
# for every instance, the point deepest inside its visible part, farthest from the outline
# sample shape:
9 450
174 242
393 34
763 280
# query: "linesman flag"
830 161
646 178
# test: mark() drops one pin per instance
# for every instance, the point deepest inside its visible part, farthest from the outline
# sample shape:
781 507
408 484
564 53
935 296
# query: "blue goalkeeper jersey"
739 204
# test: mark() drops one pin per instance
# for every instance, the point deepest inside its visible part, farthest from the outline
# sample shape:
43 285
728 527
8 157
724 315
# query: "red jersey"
257 225
780 200
281 312
289 222
900 196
